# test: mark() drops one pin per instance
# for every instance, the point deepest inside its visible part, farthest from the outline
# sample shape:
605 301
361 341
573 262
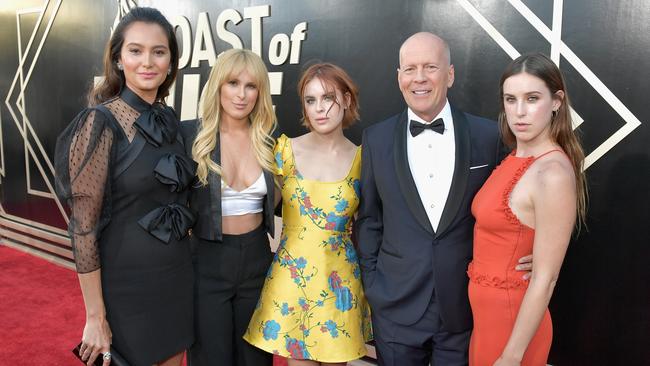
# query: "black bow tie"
416 127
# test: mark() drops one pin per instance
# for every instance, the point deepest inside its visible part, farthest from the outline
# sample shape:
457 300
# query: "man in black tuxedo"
420 172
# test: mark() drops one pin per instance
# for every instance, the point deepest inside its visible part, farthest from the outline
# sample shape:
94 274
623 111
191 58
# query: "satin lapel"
461 170
404 177
270 199
214 182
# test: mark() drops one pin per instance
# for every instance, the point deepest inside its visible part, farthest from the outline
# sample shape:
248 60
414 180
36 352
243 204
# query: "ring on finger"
107 356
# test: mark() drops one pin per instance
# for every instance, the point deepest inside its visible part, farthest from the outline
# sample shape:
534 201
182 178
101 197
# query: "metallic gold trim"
38 253
33 242
36 224
42 234
26 128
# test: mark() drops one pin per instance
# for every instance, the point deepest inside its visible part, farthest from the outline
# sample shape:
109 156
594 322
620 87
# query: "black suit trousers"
421 344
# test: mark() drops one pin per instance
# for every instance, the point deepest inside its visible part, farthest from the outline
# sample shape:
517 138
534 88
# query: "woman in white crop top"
231 250
245 202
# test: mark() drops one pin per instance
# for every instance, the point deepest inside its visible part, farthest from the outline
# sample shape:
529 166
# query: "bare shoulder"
298 144
350 146
554 173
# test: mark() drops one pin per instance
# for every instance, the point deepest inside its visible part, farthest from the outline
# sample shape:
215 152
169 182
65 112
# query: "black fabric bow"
177 171
416 127
164 221
158 124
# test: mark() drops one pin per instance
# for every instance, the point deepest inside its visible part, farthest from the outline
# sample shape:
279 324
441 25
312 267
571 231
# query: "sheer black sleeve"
83 158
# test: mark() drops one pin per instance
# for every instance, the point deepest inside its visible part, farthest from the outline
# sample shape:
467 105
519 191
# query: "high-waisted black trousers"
229 276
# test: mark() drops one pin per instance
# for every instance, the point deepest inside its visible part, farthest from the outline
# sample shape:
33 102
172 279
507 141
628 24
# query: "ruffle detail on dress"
494 281
164 221
510 186
157 124
177 171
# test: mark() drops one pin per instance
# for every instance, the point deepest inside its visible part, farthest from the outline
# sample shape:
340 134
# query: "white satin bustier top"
247 201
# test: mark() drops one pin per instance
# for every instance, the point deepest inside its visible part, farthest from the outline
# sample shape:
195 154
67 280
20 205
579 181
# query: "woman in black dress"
122 168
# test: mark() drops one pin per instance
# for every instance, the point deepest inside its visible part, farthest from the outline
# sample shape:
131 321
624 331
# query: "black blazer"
403 260
206 200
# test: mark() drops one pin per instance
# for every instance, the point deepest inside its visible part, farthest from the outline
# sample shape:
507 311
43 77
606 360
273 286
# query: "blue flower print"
357 272
271 329
284 310
301 262
350 254
341 221
356 184
296 349
335 222
351 257
278 160
342 293
341 205
331 327
343 299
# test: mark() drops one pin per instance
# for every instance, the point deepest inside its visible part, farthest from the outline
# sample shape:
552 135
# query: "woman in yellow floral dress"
312 309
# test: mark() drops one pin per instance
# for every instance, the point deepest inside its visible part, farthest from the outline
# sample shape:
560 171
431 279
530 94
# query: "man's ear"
450 76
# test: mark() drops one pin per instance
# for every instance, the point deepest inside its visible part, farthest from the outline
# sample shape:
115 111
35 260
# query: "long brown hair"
561 131
331 77
114 81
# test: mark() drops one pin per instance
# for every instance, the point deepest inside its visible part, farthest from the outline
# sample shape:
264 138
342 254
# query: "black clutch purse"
116 358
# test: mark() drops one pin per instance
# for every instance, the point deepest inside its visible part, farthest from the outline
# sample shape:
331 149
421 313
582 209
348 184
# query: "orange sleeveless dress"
496 289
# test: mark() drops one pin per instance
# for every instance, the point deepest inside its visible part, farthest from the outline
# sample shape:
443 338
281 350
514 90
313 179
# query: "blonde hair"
539 65
262 118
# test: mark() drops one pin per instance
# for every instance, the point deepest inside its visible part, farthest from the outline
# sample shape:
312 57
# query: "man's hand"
525 264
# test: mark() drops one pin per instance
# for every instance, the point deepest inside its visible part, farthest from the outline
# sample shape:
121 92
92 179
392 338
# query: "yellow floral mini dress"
312 305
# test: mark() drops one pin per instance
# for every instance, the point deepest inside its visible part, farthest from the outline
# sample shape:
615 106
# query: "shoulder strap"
548 152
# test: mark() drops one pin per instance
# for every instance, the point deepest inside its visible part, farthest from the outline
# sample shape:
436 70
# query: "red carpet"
41 311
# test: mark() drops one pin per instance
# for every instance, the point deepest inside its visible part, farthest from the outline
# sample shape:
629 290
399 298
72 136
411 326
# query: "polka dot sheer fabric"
83 162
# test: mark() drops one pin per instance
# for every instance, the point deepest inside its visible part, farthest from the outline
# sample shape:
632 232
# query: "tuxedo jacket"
207 199
404 261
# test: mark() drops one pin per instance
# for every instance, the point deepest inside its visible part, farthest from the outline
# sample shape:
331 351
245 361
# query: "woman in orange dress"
528 205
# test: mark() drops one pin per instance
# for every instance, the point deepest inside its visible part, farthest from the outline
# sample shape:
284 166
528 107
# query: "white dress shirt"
431 159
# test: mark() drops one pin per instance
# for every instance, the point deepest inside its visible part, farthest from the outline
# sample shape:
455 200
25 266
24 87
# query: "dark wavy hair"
114 78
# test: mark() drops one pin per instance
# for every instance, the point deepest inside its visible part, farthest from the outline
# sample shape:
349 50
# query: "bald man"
420 172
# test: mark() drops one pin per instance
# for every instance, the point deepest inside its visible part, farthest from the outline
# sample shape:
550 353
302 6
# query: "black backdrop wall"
51 51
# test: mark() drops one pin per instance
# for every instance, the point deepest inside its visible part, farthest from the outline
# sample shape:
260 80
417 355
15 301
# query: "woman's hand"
507 361
96 340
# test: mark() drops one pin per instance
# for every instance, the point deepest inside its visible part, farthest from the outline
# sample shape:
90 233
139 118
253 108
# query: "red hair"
332 77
